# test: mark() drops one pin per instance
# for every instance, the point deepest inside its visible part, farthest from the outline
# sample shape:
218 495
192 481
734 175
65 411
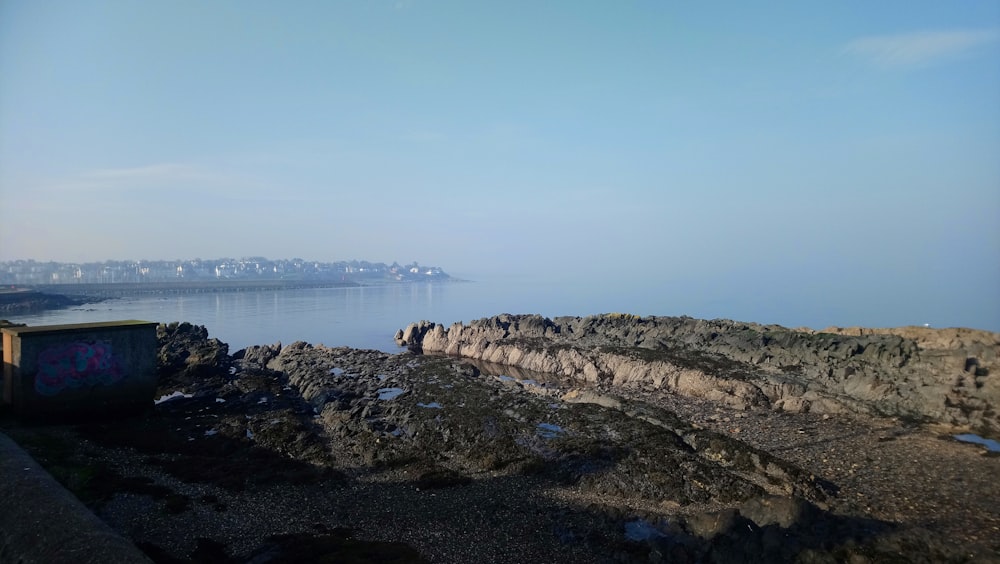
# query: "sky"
804 161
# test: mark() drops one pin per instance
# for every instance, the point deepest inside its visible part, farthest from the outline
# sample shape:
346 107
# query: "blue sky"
800 162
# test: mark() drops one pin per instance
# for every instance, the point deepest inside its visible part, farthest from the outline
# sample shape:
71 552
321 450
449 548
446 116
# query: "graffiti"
76 365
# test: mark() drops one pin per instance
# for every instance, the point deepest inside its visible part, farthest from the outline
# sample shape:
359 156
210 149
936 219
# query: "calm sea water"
363 317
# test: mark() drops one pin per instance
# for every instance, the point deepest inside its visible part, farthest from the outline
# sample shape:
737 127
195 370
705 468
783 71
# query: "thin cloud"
166 170
919 48
153 177
171 181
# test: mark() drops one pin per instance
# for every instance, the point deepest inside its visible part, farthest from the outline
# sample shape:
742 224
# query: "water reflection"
361 317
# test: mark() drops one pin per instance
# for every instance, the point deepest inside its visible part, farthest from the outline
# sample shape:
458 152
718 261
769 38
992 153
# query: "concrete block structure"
79 368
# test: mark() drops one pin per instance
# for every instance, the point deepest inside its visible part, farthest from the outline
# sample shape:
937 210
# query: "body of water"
368 316
361 317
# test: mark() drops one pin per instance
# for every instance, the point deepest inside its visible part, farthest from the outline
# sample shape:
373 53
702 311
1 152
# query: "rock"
400 409
908 372
186 353
257 356
445 444
414 334
784 511
711 525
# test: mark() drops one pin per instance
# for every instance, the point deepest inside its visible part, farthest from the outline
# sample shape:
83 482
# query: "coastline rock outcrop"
434 458
946 376
27 301
389 409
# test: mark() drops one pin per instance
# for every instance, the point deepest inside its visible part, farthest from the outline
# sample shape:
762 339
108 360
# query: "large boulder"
187 354
256 356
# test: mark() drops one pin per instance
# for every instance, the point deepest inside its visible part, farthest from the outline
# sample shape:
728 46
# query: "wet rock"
403 410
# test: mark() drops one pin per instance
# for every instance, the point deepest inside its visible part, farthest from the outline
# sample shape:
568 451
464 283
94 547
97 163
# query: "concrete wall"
87 367
42 523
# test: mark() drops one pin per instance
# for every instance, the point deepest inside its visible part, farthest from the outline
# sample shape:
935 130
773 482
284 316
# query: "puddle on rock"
390 393
175 395
523 376
549 431
990 444
641 530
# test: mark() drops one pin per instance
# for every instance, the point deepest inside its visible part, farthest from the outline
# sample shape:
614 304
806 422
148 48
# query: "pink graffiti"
76 365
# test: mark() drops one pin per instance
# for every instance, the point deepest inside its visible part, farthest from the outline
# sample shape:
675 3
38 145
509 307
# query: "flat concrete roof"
76 327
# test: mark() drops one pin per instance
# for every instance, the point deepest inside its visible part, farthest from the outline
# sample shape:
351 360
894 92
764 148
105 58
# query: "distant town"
249 269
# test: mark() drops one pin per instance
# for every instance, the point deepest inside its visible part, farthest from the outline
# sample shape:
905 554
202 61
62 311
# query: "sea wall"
41 522
933 375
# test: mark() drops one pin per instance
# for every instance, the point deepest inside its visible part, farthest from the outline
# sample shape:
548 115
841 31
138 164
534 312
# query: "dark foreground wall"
80 368
41 522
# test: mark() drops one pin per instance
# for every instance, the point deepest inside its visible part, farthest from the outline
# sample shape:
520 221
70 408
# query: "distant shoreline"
24 300
42 297
186 287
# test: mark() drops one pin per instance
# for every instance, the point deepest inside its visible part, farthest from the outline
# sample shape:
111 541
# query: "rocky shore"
914 373
627 446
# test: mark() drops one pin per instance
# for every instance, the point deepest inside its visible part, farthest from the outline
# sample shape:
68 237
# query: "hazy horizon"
782 160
